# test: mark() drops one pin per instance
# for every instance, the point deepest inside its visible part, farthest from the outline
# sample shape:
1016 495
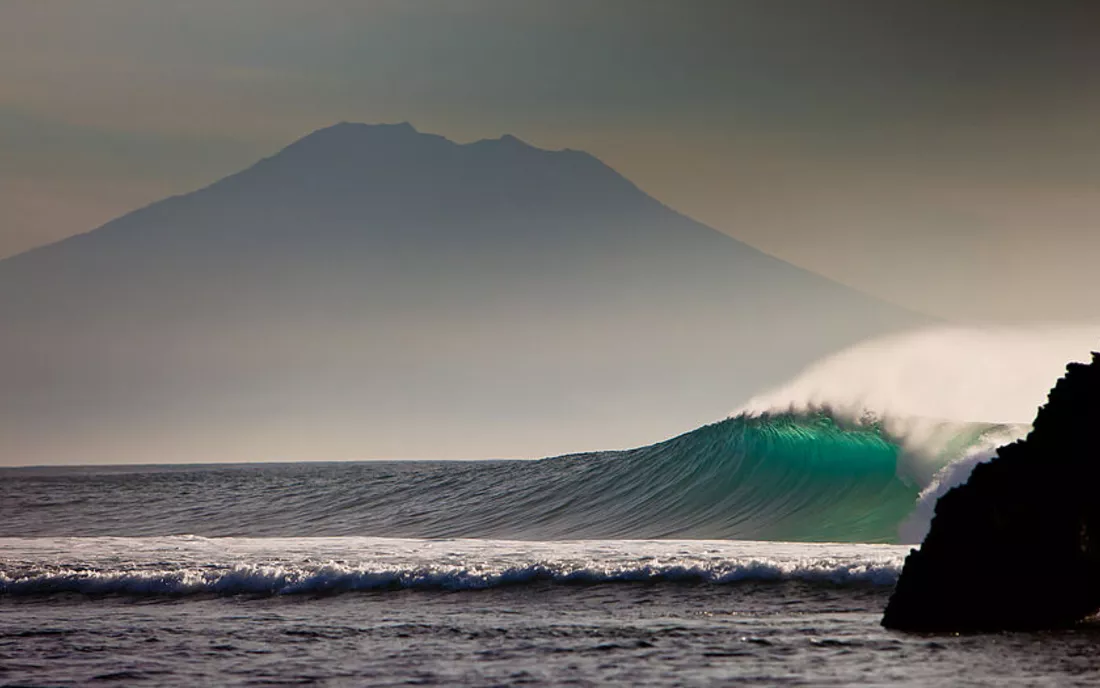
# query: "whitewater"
760 548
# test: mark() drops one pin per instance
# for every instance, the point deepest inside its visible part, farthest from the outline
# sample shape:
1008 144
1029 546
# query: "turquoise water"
790 477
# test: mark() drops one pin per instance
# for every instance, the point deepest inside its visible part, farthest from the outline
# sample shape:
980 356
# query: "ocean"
758 550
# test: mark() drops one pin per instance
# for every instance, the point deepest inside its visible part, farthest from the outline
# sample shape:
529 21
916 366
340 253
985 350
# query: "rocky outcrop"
1018 545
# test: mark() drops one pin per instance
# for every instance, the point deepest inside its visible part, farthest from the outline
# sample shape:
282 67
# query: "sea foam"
280 566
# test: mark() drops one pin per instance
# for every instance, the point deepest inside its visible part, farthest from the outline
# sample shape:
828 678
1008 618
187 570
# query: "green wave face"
782 478
789 477
825 483
786 477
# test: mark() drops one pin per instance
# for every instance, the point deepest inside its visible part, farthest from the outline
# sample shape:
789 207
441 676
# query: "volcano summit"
374 291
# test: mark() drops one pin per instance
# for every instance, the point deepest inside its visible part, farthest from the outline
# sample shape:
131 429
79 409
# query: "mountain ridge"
408 132
371 271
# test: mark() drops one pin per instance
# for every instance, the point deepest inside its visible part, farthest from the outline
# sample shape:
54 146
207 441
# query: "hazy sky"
942 155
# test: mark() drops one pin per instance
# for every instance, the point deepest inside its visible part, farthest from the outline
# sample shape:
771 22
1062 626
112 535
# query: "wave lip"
258 567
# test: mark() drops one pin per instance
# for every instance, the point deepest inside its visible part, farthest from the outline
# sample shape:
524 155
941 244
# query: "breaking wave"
807 476
857 449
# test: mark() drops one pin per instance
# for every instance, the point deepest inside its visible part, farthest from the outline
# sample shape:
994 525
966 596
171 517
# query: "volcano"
372 291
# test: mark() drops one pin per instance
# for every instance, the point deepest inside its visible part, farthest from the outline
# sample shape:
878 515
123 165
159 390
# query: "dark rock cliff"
1018 545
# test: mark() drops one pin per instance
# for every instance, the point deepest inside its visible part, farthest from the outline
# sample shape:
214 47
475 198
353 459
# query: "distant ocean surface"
713 558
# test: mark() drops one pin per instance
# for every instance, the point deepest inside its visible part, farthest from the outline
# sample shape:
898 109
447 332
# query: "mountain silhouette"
373 291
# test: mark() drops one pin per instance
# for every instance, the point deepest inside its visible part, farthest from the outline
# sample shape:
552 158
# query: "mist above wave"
934 391
949 374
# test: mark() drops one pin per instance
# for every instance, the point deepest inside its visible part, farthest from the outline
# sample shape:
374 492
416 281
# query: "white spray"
926 388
